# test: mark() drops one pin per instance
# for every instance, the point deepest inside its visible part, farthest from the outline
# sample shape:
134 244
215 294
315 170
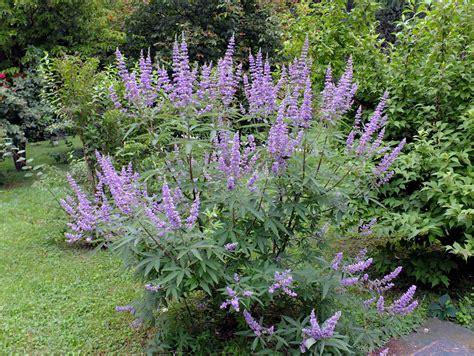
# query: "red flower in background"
3 75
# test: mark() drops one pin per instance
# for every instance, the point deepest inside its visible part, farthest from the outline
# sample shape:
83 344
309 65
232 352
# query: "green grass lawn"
56 298
42 153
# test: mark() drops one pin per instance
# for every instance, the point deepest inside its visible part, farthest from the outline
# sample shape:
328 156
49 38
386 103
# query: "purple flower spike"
152 288
404 305
366 230
251 183
358 267
252 323
280 145
349 281
84 214
193 214
123 186
369 301
227 79
380 286
316 332
329 325
230 161
387 161
146 87
336 261
260 91
126 308
170 210
233 301
183 77
381 304
338 99
114 97
372 126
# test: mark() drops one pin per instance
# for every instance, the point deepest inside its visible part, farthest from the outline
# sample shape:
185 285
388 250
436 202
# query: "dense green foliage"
22 108
431 84
335 34
78 92
207 24
428 71
90 27
431 203
430 74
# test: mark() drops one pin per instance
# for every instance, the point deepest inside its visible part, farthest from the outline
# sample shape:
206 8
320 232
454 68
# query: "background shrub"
427 68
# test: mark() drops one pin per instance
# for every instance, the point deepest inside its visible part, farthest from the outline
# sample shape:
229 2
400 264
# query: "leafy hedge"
428 73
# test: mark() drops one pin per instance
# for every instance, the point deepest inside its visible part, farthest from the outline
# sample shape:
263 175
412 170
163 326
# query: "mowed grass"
56 298
42 152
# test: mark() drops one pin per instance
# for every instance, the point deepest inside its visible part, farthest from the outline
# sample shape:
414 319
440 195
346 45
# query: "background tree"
23 113
336 30
208 25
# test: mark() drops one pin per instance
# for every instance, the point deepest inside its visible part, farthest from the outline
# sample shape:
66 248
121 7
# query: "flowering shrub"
249 173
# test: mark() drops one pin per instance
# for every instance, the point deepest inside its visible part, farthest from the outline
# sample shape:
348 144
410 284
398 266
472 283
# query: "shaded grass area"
55 298
42 152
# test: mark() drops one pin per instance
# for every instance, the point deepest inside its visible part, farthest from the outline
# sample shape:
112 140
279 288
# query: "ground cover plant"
239 189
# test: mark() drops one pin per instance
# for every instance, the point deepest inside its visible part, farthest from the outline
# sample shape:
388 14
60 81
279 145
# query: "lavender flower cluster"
152 287
289 99
402 306
184 87
366 229
210 88
283 281
232 162
125 309
255 326
85 214
338 98
317 332
231 246
370 141
234 300
127 197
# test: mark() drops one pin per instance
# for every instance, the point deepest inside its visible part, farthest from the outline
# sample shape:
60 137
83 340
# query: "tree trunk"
21 145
